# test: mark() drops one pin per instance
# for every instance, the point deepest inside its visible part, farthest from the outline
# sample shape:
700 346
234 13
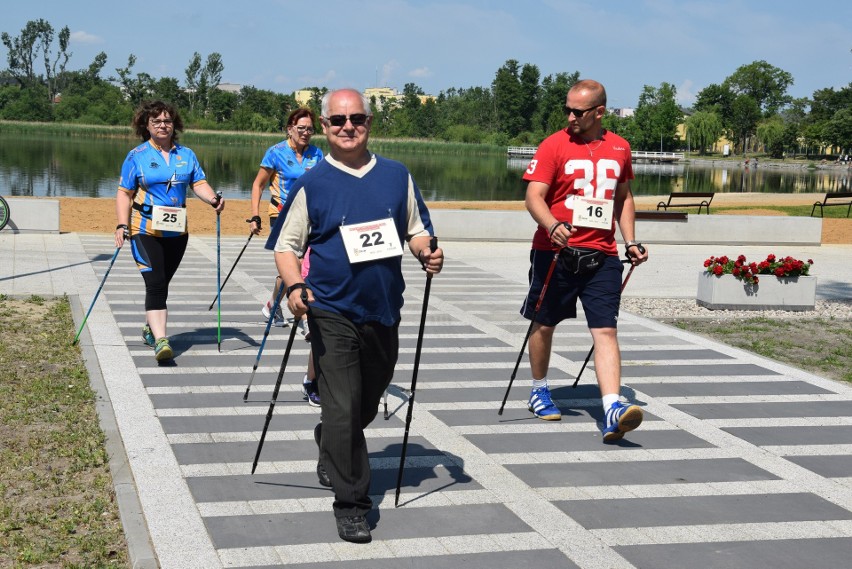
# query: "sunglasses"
578 112
301 129
358 119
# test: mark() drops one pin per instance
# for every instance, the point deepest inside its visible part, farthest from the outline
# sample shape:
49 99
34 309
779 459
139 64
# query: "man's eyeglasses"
357 119
303 129
577 112
164 122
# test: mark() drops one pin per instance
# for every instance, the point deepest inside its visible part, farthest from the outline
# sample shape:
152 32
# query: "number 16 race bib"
590 212
371 241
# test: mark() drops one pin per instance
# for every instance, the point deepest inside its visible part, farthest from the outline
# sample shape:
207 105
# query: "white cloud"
85 37
420 72
685 95
387 72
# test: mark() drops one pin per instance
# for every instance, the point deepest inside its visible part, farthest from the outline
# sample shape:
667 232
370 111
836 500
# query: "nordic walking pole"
592 349
106 274
265 334
234 266
277 386
218 276
529 330
433 245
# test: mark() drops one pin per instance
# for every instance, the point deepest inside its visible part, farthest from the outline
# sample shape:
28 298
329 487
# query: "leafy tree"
771 133
657 116
550 115
509 98
530 93
193 79
838 130
136 89
34 42
168 89
703 129
765 84
745 115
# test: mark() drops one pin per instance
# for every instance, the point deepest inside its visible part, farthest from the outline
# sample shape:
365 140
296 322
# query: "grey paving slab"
827 466
502 560
663 355
799 435
671 370
640 472
730 389
768 409
518 416
302 485
573 442
702 510
787 554
243 423
397 523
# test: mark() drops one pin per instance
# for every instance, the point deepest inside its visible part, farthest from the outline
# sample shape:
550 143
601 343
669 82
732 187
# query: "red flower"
717 270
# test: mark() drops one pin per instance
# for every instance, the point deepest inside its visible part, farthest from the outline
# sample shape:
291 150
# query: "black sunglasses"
357 119
577 112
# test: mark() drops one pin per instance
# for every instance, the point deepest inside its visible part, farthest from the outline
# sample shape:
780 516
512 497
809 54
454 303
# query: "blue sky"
284 45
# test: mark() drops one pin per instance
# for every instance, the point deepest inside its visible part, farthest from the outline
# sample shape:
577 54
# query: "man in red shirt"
579 188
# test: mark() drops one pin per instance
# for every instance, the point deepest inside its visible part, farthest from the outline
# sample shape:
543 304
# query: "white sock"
306 380
538 383
608 400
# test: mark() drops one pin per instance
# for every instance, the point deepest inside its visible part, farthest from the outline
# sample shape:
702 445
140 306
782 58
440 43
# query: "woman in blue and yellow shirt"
151 208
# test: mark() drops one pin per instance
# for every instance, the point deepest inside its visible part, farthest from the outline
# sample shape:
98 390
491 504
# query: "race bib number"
371 241
168 218
591 212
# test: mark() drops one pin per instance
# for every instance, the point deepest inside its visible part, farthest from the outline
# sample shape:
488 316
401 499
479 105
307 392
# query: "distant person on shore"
280 167
151 208
579 188
356 211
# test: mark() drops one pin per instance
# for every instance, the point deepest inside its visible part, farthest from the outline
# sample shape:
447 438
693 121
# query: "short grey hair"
364 101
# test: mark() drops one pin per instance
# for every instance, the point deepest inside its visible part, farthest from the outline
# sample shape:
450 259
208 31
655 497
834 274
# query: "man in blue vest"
355 210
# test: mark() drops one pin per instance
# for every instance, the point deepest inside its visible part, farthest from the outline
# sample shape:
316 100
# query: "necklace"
590 149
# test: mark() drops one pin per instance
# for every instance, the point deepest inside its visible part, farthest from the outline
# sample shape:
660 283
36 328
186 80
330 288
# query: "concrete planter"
726 292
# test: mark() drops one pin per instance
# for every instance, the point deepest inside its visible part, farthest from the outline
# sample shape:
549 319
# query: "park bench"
834 198
676 199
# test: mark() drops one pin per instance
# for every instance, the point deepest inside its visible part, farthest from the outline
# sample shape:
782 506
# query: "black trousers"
158 258
354 364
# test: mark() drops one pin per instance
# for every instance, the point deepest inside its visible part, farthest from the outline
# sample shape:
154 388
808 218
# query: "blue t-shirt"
286 169
154 182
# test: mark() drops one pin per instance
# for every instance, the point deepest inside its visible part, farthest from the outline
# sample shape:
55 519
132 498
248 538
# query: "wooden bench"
676 200
834 198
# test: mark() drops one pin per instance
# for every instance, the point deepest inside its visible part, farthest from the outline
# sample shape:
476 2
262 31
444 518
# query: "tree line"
751 107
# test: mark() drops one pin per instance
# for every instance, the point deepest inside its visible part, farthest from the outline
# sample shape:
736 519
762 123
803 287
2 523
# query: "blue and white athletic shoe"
621 419
542 405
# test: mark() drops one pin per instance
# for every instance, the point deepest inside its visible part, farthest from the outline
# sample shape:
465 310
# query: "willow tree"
703 129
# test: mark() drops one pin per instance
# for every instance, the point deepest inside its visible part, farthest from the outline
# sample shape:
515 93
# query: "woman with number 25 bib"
151 209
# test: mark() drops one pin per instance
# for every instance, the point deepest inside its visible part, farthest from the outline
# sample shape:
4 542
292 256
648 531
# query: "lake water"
52 166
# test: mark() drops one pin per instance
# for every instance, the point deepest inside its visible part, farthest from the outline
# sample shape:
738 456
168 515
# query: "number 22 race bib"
371 241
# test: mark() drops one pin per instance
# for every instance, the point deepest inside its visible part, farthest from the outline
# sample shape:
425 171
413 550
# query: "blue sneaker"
310 391
621 419
148 336
542 405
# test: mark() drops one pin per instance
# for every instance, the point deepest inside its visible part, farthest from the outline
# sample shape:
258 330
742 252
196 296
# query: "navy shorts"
600 292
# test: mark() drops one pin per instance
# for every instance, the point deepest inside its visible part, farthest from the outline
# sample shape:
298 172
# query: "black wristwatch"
291 288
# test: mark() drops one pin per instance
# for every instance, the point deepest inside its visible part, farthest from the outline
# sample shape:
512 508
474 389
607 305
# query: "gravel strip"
687 308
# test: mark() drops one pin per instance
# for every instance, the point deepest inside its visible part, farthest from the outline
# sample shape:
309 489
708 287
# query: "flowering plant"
748 272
